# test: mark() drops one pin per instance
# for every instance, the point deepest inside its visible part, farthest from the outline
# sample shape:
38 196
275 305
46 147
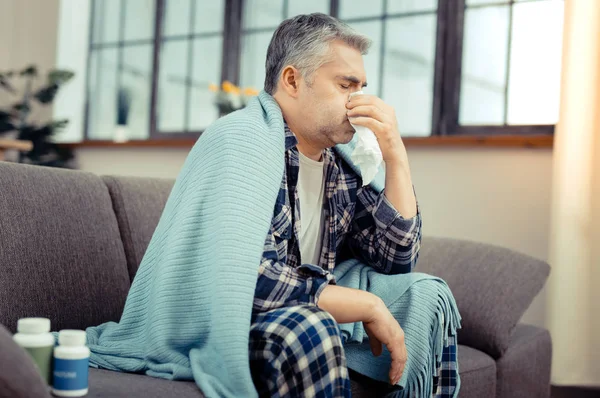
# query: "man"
323 213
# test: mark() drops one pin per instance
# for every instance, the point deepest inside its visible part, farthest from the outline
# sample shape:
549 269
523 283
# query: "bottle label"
70 374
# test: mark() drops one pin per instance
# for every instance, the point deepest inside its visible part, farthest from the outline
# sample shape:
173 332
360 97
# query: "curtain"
574 284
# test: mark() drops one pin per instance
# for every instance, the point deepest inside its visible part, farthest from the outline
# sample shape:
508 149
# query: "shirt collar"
290 139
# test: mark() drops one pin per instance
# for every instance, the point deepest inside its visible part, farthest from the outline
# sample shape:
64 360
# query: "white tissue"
366 154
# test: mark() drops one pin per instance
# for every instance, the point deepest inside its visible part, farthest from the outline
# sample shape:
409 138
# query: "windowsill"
499 141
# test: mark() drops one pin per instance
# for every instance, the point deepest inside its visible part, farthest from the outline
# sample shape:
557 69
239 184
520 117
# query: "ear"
290 81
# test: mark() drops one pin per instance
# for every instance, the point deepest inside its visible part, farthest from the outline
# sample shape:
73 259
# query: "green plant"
15 118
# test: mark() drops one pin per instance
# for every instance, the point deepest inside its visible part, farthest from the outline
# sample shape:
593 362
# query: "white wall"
28 36
497 196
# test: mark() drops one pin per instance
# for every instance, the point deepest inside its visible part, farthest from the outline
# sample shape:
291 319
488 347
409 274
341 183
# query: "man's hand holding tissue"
371 112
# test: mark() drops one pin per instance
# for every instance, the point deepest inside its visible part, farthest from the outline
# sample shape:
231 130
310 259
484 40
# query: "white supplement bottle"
71 361
33 334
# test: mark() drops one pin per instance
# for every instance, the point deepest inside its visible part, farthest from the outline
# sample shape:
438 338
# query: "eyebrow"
353 79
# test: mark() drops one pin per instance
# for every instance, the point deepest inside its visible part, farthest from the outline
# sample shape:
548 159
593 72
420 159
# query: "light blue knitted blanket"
187 314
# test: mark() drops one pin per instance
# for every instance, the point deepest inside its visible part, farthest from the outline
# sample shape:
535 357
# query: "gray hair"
303 42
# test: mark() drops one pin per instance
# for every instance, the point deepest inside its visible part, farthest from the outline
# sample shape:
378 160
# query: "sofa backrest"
138 204
493 287
61 254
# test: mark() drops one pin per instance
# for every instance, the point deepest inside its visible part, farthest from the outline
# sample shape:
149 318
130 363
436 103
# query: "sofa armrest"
19 377
493 287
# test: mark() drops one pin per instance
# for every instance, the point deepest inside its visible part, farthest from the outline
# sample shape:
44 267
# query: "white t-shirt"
311 193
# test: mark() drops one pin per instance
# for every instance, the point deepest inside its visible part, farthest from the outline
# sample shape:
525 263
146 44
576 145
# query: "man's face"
322 103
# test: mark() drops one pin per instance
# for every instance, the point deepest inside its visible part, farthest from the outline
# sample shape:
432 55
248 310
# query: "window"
120 68
190 59
401 62
509 57
451 67
259 21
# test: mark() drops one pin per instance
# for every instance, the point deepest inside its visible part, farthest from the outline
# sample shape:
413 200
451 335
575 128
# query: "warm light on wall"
574 243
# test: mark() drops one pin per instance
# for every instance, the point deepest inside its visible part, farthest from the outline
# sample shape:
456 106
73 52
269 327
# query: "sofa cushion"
477 373
493 287
19 377
61 255
106 383
138 204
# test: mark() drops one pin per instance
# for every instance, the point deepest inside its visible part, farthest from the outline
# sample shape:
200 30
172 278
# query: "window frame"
453 78
446 80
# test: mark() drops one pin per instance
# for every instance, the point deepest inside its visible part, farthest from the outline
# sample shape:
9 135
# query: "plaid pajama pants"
297 352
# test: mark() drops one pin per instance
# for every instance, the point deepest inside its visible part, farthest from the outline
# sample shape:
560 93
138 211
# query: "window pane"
373 59
97 15
139 19
177 18
484 65
534 83
307 7
102 94
209 16
111 20
350 9
262 14
136 80
205 70
409 72
401 6
172 83
254 54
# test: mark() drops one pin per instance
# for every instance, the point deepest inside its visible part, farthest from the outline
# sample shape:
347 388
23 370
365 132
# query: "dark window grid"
94 19
437 88
502 3
285 14
447 76
450 118
230 12
232 39
123 16
386 15
98 46
118 44
334 7
383 18
138 42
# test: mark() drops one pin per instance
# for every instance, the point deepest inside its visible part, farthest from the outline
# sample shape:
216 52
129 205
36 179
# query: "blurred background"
501 151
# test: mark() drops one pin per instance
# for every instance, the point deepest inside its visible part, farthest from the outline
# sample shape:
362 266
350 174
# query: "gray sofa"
71 242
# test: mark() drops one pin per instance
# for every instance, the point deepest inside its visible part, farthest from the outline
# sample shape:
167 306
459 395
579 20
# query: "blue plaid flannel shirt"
359 223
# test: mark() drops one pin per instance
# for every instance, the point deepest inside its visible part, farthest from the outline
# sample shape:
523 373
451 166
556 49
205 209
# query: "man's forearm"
399 188
348 305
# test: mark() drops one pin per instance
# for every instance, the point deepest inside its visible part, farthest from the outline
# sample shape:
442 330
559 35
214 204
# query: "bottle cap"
33 325
72 337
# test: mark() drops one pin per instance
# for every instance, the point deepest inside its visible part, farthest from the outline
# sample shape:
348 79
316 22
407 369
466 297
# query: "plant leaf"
6 85
21 107
46 95
31 70
58 125
59 76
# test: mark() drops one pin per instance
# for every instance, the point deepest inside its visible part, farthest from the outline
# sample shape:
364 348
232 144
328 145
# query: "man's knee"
316 323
